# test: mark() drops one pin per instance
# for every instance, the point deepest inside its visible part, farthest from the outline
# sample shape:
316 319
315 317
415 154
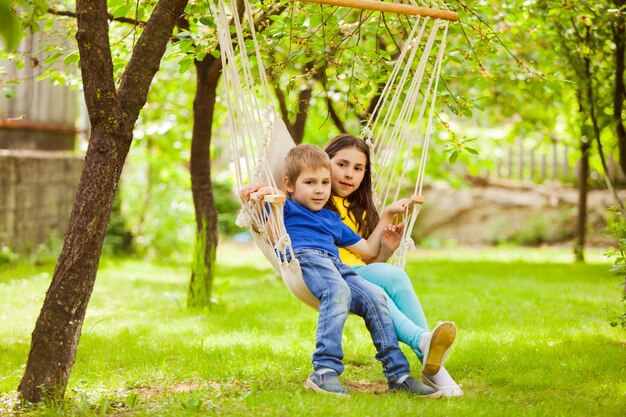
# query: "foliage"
9 25
228 207
616 229
505 77
118 239
7 256
144 355
46 253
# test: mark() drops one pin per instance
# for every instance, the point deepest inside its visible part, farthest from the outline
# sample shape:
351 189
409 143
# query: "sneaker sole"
310 385
436 394
441 340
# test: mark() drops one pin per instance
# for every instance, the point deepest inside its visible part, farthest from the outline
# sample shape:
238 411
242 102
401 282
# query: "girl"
352 196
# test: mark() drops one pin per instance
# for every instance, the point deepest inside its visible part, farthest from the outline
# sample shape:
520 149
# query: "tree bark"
583 188
200 285
619 93
112 115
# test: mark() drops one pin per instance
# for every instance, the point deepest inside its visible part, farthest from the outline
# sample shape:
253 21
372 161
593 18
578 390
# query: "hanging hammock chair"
400 123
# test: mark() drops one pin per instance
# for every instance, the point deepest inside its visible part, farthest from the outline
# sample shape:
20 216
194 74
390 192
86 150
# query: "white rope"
395 127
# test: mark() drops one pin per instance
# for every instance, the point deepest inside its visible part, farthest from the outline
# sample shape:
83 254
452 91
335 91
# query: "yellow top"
347 257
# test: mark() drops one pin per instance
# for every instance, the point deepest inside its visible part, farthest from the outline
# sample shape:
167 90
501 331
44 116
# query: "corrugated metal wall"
36 114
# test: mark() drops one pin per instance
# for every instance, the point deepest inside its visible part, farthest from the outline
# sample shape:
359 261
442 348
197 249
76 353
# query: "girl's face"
348 169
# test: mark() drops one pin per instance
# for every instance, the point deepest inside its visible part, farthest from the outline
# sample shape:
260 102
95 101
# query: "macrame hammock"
401 121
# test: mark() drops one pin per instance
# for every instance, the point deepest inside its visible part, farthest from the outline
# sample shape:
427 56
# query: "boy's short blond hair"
304 157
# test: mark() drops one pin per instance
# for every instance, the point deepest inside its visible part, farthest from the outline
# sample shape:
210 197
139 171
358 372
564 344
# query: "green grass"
534 340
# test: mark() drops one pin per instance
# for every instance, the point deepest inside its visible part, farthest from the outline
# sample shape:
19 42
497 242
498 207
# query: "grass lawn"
533 340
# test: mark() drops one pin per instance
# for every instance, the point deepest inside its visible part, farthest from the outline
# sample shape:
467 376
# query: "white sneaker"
444 383
435 346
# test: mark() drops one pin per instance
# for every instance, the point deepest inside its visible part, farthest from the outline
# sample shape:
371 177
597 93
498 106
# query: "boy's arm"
268 201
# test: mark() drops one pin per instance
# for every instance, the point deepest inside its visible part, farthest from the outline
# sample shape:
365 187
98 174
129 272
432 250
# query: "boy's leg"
369 302
325 283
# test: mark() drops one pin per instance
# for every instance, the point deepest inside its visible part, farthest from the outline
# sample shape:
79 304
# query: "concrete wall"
36 195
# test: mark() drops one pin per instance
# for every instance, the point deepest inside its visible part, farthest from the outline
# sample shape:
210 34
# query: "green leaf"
185 64
10 30
123 10
71 58
618 269
9 92
207 21
453 156
52 59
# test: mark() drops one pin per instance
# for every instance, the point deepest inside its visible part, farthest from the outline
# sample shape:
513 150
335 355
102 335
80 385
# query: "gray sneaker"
326 383
412 385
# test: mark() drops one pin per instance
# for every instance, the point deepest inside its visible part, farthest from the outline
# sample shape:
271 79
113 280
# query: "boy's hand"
266 190
248 189
258 190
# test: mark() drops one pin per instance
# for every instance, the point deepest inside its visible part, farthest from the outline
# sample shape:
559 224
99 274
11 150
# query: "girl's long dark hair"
360 202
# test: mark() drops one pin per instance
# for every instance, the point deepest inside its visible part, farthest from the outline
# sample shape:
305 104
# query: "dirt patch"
379 387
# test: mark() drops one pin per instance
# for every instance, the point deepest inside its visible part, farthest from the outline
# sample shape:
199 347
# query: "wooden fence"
526 161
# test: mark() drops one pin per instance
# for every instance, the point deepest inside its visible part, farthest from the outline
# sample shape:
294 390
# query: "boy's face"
312 188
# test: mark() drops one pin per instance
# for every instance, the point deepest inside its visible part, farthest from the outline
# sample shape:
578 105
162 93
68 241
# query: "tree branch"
96 67
146 57
128 20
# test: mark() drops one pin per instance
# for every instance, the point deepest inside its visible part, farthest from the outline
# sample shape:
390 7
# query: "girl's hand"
391 238
397 207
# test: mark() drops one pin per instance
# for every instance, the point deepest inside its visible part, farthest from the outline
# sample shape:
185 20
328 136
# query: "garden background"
521 241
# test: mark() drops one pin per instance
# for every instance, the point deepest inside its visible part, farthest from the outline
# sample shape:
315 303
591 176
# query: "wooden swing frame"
380 6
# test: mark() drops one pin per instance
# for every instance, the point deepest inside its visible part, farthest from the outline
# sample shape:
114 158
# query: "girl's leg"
407 314
407 331
398 286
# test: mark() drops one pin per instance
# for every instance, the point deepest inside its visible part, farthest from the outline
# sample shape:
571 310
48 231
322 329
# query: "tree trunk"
200 285
112 115
581 220
619 37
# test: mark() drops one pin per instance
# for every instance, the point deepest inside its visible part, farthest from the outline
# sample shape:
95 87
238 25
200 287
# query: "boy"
315 233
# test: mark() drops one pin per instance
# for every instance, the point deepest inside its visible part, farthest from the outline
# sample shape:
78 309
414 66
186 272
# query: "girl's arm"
389 242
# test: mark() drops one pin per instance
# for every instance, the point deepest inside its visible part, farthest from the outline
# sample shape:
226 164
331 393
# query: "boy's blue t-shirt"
321 230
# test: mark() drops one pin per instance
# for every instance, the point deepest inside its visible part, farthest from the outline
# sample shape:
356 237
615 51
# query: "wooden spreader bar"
380 6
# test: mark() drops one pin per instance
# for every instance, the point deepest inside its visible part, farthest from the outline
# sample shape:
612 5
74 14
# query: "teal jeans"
405 309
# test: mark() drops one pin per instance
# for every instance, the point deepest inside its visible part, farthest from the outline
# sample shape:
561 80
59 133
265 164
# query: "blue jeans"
340 290
405 309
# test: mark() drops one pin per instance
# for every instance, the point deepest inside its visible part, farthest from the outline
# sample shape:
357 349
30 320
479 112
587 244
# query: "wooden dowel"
390 7
269 198
415 199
